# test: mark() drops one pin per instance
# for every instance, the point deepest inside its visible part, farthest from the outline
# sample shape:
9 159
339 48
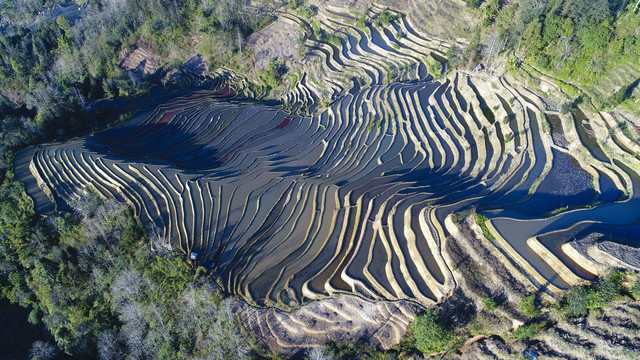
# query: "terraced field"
357 197
613 335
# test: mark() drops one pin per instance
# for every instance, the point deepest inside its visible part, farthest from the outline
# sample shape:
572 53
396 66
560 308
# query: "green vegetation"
528 306
580 301
591 45
90 277
431 332
634 289
514 64
102 285
491 10
51 74
508 137
481 221
624 128
528 331
307 11
358 349
454 56
489 303
472 4
559 210
271 75
384 18
459 216
579 41
362 20
434 67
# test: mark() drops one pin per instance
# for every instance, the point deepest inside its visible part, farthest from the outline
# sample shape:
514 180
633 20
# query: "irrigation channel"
285 208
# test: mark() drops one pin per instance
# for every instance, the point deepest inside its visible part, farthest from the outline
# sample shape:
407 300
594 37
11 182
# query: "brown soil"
142 59
278 40
345 317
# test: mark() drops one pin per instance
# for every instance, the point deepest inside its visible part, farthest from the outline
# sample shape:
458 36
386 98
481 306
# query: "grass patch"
307 11
567 208
481 221
559 210
362 20
271 75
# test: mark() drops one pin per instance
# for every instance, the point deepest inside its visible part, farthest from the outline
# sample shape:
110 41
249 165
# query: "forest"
52 71
583 43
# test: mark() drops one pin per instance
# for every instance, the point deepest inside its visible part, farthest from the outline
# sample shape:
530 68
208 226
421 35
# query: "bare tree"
225 334
239 39
160 244
48 99
493 48
108 347
43 350
134 333
318 354
128 288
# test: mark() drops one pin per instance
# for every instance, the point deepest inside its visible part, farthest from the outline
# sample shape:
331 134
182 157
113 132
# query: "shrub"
514 63
603 293
307 11
566 107
576 302
431 333
618 96
316 27
385 18
294 4
528 306
489 303
34 316
625 130
528 331
335 40
357 349
579 301
491 10
454 56
271 76
361 20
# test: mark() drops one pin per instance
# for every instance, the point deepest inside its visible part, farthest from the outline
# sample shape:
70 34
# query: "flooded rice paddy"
285 208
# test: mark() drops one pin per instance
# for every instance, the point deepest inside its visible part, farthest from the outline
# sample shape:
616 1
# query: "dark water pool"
565 185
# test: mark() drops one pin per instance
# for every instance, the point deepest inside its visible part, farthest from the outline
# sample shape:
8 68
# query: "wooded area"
582 42
51 72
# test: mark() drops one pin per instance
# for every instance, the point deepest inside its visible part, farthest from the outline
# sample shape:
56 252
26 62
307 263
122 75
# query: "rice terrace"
378 183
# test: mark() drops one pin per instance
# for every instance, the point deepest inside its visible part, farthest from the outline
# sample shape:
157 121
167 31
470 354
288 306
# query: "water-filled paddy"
283 207
275 202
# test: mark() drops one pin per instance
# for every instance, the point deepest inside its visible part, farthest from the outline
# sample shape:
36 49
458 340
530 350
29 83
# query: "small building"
531 354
